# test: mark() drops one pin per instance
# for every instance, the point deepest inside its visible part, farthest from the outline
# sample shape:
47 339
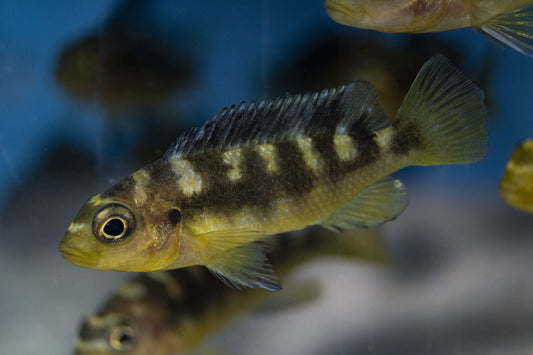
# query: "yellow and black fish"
174 311
260 169
516 186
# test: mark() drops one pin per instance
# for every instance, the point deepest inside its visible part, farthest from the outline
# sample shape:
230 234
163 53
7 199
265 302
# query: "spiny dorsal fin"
353 109
513 29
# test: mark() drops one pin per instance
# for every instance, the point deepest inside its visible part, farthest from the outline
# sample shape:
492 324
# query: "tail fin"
513 29
446 112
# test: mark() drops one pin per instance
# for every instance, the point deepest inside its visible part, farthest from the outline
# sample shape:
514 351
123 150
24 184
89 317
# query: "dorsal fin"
353 109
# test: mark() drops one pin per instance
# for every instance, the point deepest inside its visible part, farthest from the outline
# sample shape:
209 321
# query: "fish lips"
73 255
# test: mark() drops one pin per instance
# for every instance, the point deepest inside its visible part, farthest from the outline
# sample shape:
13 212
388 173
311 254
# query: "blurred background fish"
126 63
120 70
174 312
516 186
135 72
509 22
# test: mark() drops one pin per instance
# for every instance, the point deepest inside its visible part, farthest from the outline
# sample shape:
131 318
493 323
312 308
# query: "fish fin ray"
354 108
513 29
378 203
238 259
447 110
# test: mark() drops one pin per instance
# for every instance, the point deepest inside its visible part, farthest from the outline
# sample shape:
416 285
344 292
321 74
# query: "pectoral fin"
513 29
377 204
239 260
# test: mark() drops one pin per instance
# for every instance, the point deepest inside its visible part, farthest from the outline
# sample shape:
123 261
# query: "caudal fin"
445 113
513 29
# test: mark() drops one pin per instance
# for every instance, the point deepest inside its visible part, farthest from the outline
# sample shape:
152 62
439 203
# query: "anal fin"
377 204
513 29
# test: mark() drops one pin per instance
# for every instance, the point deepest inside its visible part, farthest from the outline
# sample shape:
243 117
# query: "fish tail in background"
513 29
444 114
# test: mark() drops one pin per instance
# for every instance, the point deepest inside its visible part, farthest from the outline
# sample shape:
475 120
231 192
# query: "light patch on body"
188 180
141 179
174 290
95 200
384 138
93 345
267 152
344 147
233 158
75 227
132 291
95 321
311 158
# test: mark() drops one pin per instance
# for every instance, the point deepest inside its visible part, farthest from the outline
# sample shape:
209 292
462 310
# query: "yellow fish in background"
264 168
509 22
173 312
516 186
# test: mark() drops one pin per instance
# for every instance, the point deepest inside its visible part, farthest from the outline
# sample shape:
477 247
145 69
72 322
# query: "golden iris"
122 337
113 222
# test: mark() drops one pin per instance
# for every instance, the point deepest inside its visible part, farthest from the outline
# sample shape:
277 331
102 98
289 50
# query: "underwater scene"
266 177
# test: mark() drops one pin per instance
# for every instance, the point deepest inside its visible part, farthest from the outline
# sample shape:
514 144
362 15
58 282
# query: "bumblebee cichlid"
516 186
509 22
264 168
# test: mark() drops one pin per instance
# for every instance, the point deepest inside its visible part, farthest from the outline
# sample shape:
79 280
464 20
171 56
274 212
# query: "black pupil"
124 338
114 227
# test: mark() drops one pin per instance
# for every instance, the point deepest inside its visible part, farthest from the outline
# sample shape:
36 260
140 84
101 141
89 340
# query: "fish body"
174 311
516 186
509 22
260 169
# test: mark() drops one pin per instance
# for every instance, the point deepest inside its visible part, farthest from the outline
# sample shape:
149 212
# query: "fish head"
124 333
114 232
107 334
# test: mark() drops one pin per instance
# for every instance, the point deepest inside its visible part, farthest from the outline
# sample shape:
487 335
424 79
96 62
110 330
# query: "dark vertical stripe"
294 177
325 147
368 152
405 138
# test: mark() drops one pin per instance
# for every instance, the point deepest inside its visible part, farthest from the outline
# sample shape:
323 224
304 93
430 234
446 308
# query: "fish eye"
113 223
122 337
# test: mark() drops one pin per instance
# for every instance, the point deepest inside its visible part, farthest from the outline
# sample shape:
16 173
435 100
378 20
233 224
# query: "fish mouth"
73 255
